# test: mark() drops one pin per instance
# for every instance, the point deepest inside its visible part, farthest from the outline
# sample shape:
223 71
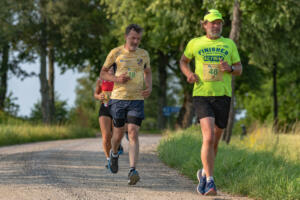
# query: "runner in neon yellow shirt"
216 60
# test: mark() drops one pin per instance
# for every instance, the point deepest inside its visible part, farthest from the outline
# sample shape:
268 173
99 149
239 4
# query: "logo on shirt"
139 61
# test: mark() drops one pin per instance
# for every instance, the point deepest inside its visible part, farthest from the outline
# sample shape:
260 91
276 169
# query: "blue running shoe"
113 163
202 182
120 150
126 135
133 177
210 188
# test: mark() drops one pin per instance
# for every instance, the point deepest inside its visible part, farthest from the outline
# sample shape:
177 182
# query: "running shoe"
202 182
210 188
113 163
106 166
126 135
120 150
133 177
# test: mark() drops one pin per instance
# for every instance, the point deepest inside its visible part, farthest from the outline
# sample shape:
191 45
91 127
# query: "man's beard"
214 34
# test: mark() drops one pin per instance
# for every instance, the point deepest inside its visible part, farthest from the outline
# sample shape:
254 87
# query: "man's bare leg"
207 150
117 138
218 134
133 131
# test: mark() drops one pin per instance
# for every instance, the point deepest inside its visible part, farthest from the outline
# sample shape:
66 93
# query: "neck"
127 48
212 37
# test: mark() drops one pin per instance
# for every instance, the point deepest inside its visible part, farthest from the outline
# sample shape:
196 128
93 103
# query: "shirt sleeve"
110 59
147 61
188 52
235 57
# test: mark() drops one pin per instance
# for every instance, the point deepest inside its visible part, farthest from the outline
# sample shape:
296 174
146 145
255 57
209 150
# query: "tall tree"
34 19
276 39
65 32
11 52
234 35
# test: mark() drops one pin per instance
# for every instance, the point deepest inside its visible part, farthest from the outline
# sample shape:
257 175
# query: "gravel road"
74 169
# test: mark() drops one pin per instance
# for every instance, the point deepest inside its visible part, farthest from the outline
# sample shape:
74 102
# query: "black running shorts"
216 107
104 111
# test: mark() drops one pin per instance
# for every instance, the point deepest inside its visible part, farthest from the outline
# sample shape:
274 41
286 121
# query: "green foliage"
10 106
238 170
61 111
86 108
6 118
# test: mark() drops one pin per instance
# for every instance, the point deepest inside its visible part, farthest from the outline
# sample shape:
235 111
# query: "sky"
28 90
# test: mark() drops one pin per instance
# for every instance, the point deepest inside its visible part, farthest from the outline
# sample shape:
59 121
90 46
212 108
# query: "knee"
209 140
106 139
132 134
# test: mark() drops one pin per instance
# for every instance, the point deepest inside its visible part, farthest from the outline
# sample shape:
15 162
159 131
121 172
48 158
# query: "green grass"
152 131
267 172
24 133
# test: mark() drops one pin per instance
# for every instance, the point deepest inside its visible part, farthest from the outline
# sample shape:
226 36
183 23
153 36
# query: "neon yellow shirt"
132 63
207 54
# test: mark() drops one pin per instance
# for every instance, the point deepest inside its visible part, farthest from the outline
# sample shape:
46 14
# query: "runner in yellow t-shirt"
127 98
216 60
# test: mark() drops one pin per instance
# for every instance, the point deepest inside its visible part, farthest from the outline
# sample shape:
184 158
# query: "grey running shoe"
113 163
133 177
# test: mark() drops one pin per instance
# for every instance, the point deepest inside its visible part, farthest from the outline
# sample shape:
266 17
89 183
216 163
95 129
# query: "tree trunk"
275 100
43 76
162 91
3 75
51 83
234 35
186 112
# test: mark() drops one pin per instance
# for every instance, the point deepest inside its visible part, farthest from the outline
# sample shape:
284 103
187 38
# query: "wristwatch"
232 69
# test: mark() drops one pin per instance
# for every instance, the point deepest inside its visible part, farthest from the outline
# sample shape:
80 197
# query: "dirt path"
74 169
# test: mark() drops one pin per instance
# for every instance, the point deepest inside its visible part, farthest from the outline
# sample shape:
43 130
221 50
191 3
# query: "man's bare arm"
104 75
185 68
148 82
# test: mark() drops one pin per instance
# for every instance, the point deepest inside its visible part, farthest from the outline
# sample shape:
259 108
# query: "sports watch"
232 69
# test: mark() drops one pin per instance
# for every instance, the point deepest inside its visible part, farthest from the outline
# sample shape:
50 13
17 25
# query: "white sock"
209 178
203 173
107 159
115 155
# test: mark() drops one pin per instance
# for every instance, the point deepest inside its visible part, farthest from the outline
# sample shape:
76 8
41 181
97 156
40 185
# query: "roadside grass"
152 131
262 165
24 133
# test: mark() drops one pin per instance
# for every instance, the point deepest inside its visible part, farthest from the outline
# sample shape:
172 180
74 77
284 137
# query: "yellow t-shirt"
132 63
207 54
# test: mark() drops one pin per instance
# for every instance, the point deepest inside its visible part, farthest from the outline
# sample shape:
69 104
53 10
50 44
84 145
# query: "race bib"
135 77
211 72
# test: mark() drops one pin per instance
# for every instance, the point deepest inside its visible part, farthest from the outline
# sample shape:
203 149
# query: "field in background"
262 165
262 138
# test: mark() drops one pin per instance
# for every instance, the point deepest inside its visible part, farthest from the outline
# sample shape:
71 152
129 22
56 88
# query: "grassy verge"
153 131
245 167
24 133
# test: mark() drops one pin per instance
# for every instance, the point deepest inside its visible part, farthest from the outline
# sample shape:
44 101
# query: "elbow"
101 75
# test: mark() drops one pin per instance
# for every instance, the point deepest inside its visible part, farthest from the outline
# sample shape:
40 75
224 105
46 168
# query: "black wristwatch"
232 69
